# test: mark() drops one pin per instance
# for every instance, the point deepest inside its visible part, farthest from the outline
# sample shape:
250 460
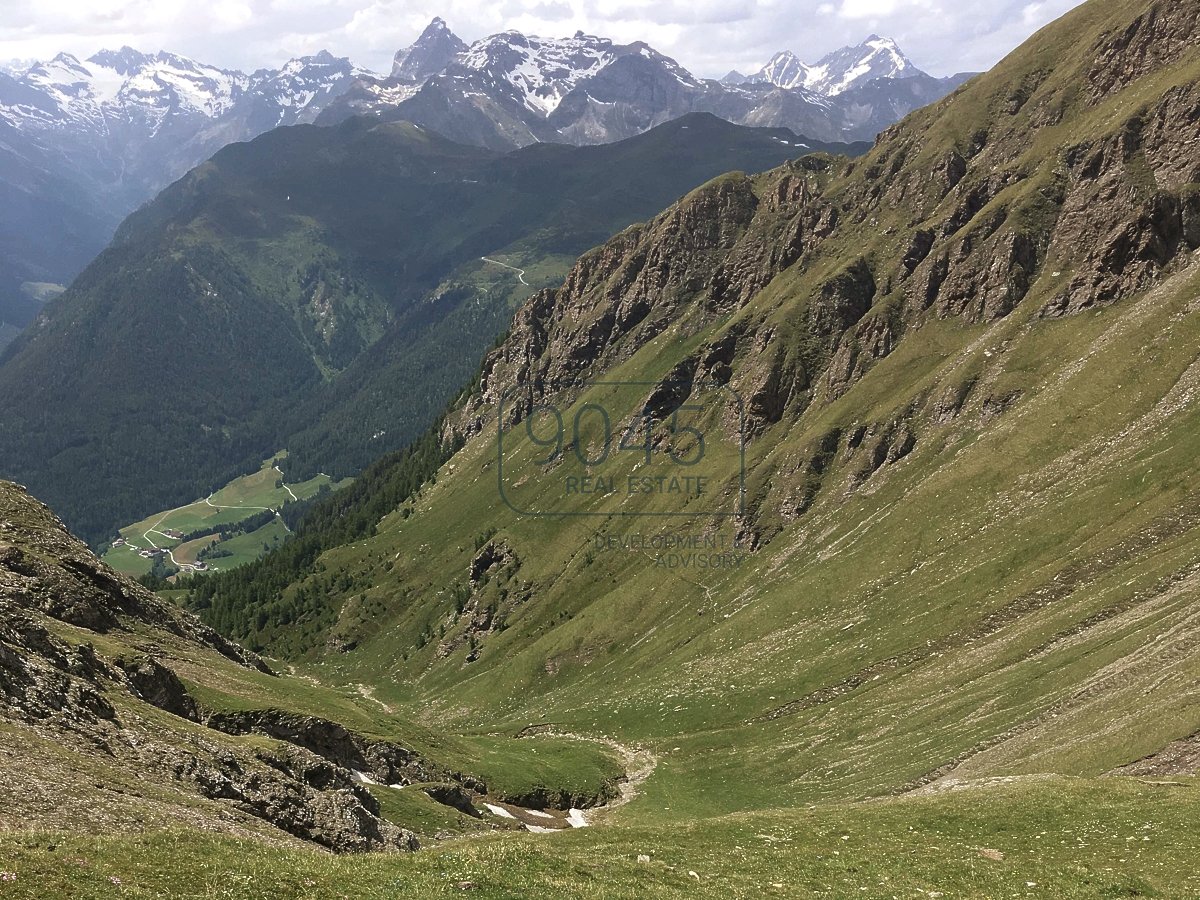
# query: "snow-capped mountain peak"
184 84
125 85
16 67
302 86
785 70
125 61
543 71
876 57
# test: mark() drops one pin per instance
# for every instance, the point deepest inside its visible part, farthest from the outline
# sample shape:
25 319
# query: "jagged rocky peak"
320 58
876 57
541 70
433 51
303 70
63 68
155 92
785 70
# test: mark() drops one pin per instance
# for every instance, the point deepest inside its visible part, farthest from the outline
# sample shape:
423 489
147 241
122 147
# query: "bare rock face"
46 570
432 52
159 686
43 679
384 761
304 796
1152 41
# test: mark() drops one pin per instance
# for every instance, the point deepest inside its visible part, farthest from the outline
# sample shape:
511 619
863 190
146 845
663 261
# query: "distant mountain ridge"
837 72
512 89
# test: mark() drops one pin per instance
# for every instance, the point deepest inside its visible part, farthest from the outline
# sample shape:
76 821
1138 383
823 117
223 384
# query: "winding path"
283 484
278 515
520 272
152 530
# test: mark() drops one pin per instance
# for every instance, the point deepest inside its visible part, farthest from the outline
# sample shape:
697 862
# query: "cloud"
868 9
708 36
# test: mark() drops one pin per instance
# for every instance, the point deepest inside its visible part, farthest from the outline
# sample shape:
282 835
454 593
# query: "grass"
1068 838
230 505
250 546
410 807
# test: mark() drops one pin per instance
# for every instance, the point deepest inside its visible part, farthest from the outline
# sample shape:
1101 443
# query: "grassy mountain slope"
119 712
967 363
952 650
223 317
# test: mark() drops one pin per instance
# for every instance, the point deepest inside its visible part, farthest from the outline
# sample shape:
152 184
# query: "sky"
709 37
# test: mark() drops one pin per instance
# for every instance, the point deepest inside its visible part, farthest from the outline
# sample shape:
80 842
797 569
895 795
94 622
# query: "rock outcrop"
58 602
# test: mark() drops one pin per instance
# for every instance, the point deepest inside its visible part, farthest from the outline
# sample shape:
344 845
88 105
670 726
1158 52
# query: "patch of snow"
577 818
499 811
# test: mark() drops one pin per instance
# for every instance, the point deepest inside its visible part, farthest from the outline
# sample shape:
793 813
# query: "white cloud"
867 9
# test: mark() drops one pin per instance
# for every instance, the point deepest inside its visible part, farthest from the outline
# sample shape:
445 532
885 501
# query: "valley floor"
1037 836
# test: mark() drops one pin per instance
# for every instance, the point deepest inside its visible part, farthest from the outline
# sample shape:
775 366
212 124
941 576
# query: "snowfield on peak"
511 89
543 70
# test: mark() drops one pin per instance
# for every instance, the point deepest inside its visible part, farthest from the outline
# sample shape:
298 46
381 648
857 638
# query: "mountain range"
510 90
84 142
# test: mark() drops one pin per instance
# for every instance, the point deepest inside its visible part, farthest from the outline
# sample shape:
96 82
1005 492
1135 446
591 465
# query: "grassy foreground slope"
954 650
121 714
1038 838
968 365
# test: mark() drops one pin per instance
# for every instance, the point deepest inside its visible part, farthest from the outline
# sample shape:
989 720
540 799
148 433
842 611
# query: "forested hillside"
319 289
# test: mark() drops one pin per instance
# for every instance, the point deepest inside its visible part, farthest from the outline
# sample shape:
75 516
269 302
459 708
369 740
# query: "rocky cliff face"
1021 189
435 49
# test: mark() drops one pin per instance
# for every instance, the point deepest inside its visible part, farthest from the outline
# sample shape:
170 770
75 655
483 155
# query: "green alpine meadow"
830 529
